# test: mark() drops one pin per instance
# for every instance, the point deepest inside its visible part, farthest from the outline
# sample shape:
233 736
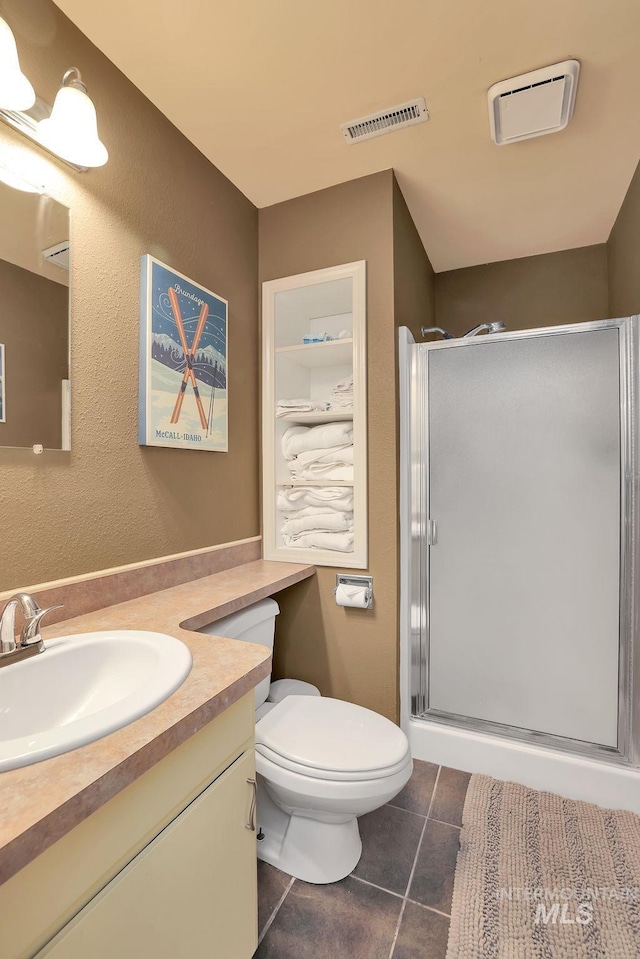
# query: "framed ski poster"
183 362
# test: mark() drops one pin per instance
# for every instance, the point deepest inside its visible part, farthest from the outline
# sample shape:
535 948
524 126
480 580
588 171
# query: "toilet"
321 763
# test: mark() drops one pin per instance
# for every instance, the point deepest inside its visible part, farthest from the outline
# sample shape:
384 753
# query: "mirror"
34 321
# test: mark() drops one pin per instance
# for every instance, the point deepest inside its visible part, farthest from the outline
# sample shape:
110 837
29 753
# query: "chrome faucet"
30 640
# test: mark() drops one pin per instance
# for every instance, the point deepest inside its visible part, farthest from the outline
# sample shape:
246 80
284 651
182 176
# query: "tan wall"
547 290
110 502
624 254
348 653
414 294
33 327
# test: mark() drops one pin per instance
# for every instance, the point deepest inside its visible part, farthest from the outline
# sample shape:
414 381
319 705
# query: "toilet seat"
329 739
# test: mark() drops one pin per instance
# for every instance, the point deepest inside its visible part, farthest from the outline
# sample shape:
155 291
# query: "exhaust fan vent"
58 255
533 104
374 125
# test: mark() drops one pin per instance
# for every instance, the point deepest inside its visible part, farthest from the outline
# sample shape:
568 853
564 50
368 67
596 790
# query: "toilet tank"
254 624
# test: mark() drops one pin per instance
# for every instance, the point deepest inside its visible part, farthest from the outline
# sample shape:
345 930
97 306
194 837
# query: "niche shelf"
324 301
330 353
294 482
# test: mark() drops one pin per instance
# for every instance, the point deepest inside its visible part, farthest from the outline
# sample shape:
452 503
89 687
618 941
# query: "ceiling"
261 88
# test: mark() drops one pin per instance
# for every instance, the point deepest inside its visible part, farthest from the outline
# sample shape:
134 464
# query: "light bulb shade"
16 93
71 132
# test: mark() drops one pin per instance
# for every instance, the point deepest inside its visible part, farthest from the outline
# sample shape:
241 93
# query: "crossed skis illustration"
189 373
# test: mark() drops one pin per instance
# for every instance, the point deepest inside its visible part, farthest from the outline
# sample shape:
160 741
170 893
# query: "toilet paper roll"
352 596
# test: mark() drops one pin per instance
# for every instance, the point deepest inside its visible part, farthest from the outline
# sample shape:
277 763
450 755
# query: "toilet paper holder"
343 579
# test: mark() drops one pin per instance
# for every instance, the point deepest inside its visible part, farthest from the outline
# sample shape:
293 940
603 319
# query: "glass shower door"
523 486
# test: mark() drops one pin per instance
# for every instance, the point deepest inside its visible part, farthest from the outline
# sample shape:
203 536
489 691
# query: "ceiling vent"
58 255
374 125
533 104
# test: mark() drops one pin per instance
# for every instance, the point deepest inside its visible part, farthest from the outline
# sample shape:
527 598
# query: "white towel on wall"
297 439
307 500
342 542
333 520
326 471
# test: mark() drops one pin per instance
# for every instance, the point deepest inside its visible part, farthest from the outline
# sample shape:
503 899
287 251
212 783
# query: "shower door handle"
432 532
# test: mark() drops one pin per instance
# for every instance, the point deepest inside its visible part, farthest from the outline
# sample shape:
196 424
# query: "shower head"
497 327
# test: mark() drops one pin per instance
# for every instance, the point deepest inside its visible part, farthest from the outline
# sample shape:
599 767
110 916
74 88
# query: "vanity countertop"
42 802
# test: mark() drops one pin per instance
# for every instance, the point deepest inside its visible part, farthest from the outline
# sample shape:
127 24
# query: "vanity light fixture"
71 132
16 93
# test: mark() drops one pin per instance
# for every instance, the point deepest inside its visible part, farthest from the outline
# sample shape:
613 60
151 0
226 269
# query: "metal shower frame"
628 747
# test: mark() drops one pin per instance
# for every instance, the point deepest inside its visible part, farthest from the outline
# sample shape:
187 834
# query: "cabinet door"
191 892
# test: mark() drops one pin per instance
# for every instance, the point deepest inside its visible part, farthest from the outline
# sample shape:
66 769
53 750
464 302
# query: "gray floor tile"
432 883
423 934
450 794
271 885
344 919
390 840
416 795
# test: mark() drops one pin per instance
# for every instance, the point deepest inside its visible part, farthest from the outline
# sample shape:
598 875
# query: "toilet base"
314 851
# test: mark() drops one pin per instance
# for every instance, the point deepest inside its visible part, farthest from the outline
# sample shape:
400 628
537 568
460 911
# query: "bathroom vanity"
143 843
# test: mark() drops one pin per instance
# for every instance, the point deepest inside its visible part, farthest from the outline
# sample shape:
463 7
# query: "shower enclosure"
520 493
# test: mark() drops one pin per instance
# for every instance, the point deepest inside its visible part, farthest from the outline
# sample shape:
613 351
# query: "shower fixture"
437 329
496 327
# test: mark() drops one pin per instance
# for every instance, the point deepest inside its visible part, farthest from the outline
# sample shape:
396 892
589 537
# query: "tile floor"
397 901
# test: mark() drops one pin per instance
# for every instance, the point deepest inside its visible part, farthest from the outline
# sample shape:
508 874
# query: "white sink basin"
83 687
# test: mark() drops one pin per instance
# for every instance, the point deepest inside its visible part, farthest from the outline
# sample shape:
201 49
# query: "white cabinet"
314 345
190 892
165 868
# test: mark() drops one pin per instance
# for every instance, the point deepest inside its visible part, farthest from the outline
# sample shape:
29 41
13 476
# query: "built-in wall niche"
314 379
34 321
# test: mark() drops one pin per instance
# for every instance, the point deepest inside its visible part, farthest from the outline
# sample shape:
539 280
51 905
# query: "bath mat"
542 877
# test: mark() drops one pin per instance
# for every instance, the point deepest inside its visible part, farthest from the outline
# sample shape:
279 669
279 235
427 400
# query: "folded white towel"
307 510
299 500
338 455
315 510
333 520
344 386
300 406
342 542
326 471
344 405
297 439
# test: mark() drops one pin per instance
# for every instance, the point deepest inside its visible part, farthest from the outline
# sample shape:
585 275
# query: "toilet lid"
321 734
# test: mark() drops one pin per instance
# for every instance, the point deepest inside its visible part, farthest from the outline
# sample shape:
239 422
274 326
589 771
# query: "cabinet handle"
251 824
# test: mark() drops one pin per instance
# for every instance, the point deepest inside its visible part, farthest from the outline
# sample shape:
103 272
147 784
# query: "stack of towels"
342 394
320 517
320 452
317 517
